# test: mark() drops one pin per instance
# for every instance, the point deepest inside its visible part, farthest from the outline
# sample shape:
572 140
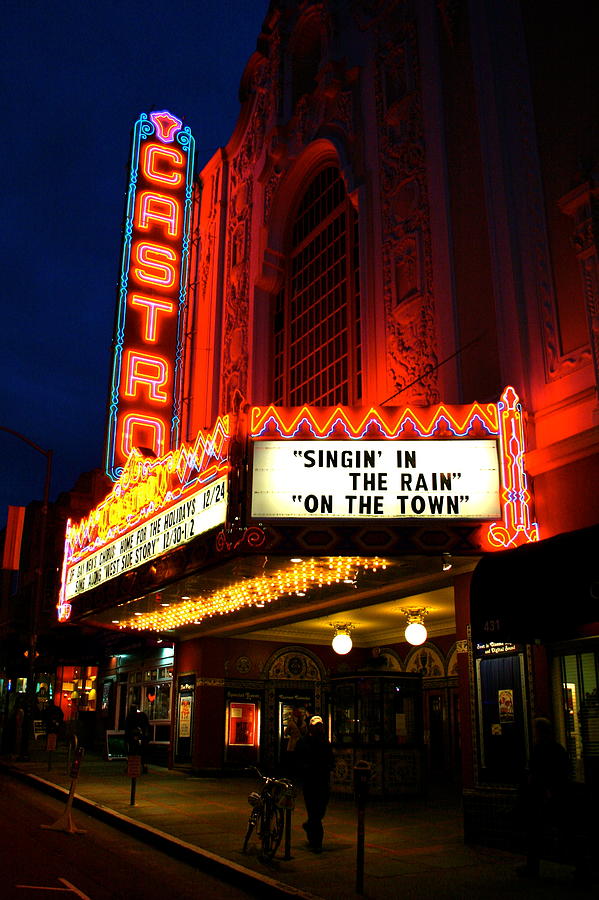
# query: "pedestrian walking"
315 762
545 795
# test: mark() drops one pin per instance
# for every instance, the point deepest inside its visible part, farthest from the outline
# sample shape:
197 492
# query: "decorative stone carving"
582 205
407 267
294 665
242 187
426 660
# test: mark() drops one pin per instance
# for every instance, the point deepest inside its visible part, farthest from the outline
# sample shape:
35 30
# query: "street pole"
37 594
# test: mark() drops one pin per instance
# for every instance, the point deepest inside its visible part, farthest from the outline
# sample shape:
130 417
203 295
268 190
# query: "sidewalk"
414 848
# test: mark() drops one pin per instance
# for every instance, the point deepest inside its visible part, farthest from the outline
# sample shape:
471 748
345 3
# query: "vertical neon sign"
146 375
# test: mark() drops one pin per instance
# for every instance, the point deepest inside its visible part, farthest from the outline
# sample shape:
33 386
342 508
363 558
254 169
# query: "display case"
378 718
242 738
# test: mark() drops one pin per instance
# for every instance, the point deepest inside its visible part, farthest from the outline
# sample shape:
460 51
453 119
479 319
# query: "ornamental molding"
210 682
406 251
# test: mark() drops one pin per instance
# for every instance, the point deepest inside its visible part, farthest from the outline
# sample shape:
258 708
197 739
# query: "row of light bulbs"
415 632
298 577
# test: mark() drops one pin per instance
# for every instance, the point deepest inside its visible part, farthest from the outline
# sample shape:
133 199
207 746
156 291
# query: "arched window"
317 334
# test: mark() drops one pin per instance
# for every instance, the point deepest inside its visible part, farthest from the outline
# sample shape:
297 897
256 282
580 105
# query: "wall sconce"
446 561
342 642
415 632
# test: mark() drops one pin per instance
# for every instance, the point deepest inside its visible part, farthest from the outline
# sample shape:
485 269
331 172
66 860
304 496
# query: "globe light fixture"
415 632
342 642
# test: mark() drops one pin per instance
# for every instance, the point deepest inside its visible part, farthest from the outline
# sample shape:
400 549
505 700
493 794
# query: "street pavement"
414 848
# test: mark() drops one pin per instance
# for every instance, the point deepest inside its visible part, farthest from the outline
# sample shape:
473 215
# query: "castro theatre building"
338 408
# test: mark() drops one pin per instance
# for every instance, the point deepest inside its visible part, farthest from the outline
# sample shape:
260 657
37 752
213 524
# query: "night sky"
76 74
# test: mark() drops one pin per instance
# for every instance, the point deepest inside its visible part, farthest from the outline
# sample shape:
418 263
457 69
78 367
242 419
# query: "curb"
262 885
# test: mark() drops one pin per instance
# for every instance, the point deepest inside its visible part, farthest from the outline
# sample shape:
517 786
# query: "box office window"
374 710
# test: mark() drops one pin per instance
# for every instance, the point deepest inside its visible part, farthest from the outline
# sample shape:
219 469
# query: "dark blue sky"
75 75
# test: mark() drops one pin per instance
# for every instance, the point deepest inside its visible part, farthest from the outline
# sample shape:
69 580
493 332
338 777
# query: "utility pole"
38 588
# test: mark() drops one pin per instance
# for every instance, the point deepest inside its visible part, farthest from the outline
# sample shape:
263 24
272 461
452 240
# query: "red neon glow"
146 384
148 485
156 264
145 370
143 431
63 606
474 421
158 209
158 164
517 526
502 420
151 307
166 125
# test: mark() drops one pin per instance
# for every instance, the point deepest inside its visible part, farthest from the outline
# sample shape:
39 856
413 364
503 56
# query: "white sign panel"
429 479
164 532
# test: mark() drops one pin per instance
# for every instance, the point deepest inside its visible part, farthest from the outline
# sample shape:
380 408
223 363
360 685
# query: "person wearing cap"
315 763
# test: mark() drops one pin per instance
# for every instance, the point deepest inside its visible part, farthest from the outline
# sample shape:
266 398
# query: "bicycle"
267 816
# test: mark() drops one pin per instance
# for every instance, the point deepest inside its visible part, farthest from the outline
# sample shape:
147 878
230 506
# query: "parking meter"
135 740
362 776
76 764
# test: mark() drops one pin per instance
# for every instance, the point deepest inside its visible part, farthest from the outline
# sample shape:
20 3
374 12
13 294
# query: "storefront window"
147 692
158 701
579 673
76 690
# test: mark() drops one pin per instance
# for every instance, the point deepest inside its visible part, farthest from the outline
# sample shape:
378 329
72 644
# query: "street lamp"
37 592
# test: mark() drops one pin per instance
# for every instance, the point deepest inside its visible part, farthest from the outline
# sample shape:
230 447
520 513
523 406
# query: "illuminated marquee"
443 462
156 506
390 479
145 393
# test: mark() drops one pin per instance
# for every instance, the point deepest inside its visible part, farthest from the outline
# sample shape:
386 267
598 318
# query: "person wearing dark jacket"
545 793
315 761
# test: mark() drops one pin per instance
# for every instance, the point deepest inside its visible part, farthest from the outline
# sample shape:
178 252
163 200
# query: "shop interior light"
415 632
342 642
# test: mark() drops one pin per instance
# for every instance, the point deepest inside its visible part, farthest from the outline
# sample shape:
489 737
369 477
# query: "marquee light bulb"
296 578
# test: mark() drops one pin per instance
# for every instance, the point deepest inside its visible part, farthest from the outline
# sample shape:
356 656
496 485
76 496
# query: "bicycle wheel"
252 822
271 829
